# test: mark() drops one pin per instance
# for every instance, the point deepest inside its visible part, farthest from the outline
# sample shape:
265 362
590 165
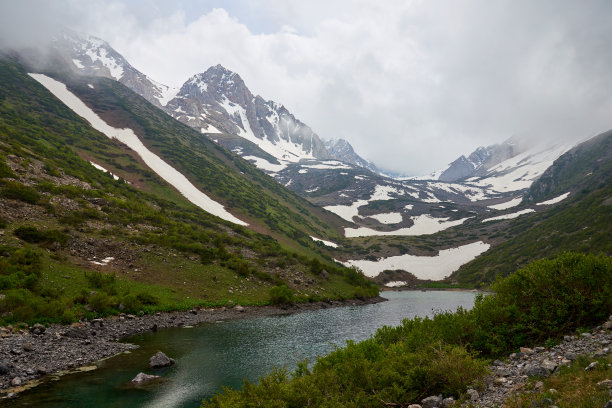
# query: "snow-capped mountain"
480 160
218 101
341 150
90 55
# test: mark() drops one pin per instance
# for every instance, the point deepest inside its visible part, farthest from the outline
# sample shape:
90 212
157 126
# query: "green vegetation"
60 216
572 387
446 353
281 295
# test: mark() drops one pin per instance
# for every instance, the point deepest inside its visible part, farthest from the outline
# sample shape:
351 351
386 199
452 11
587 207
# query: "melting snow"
78 63
210 129
395 284
97 166
128 137
509 216
382 193
387 218
263 164
328 243
508 204
347 211
424 267
423 225
103 262
91 86
555 200
327 165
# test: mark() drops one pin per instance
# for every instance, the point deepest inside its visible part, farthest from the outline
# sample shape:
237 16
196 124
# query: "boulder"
160 360
38 329
431 402
142 378
592 366
16 382
448 402
5 367
473 394
536 371
239 308
548 366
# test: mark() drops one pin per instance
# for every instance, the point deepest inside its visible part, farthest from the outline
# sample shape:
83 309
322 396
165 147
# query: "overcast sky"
410 84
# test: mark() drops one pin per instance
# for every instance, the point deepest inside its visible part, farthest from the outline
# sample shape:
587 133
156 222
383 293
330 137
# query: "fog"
410 84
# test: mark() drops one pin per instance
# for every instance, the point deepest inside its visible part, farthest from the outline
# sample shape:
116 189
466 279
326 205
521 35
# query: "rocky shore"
509 377
29 355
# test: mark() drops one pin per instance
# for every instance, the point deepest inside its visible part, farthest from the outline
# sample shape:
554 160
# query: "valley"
123 198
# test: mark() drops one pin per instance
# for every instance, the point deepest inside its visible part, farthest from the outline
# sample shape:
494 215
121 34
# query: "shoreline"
28 359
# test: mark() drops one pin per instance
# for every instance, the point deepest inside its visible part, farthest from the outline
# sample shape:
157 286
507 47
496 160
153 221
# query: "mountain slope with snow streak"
128 137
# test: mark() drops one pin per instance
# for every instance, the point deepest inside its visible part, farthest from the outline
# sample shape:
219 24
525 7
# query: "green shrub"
35 236
281 295
17 191
100 302
106 282
5 170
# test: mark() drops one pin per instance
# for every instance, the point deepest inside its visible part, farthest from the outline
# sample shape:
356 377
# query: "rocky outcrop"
160 360
142 378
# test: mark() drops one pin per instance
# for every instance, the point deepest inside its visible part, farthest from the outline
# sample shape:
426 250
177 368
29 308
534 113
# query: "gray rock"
16 382
586 335
77 332
607 383
431 402
239 308
473 394
414 406
142 378
536 371
160 360
38 329
448 402
592 366
549 366
27 347
609 404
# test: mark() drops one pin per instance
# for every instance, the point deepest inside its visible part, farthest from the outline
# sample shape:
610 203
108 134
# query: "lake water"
214 355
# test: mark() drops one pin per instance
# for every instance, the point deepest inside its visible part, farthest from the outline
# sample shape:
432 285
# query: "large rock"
160 360
38 329
5 368
143 378
431 402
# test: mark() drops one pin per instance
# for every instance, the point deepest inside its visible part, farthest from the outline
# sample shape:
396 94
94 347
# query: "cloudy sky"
411 84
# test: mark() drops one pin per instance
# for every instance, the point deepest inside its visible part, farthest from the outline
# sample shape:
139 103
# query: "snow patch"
423 225
78 63
128 137
102 262
509 216
327 243
508 204
387 218
97 166
395 284
424 267
555 200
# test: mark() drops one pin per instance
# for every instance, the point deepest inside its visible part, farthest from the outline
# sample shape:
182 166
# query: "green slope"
58 214
582 222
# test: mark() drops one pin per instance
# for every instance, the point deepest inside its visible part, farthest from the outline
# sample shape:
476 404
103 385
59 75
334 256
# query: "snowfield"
387 218
424 267
423 225
509 216
508 204
97 166
555 200
128 137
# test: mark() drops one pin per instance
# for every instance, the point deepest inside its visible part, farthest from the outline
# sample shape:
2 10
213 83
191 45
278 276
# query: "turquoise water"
214 355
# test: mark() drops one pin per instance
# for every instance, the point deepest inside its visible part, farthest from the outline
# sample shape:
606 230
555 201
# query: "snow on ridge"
555 200
98 52
424 267
509 216
128 137
78 63
263 164
327 243
508 204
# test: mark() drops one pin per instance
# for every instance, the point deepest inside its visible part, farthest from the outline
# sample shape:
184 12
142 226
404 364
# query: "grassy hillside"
74 241
582 222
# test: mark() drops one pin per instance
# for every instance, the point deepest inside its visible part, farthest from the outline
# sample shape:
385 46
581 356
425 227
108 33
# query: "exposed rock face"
218 101
480 160
160 360
341 150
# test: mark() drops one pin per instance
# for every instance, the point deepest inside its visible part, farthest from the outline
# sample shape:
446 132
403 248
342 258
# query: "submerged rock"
160 360
142 378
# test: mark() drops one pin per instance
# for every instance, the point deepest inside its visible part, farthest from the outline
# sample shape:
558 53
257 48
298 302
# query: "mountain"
480 160
341 150
575 194
97 215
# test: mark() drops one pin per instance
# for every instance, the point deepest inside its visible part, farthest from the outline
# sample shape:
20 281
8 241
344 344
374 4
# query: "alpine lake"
223 354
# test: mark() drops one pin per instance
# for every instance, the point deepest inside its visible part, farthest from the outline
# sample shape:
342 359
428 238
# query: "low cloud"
410 84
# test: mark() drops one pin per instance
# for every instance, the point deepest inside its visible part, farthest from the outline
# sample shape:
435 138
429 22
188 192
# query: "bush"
18 191
35 236
281 295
